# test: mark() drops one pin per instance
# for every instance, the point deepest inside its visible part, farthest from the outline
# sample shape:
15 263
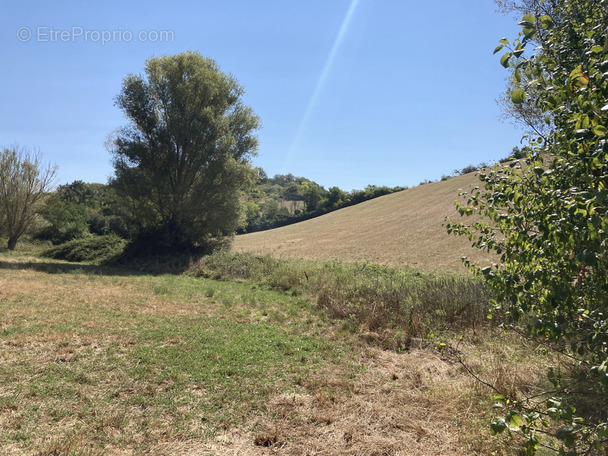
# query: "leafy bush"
98 224
546 216
118 226
95 249
66 221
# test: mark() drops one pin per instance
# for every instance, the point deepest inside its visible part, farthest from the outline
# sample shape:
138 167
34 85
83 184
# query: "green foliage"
67 221
470 169
183 162
547 216
79 192
24 181
93 249
516 154
78 209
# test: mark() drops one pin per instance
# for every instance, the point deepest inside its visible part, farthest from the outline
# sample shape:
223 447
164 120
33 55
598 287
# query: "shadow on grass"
149 266
51 267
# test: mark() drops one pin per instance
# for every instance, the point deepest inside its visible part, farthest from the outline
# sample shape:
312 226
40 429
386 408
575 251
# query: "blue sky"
349 92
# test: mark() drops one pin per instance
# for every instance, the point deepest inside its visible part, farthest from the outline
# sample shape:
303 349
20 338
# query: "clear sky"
349 92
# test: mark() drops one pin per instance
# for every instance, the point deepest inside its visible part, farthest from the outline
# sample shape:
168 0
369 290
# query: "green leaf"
528 32
527 21
517 75
532 445
600 130
518 96
498 426
587 257
546 21
566 435
514 420
504 60
498 48
578 77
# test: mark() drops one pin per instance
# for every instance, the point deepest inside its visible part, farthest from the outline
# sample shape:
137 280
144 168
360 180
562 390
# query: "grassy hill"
400 229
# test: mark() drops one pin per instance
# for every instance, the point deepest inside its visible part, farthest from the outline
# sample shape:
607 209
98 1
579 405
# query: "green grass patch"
108 361
239 364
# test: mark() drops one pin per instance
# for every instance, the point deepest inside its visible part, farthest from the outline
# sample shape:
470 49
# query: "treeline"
75 210
79 209
285 199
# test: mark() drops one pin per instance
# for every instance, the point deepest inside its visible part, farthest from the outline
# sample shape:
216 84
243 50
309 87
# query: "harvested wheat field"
400 229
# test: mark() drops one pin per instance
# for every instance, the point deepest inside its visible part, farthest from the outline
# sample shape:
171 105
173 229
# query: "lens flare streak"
322 78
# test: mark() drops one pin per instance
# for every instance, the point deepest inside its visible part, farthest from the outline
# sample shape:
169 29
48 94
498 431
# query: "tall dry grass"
385 303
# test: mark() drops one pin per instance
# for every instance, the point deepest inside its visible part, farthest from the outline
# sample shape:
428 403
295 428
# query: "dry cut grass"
400 229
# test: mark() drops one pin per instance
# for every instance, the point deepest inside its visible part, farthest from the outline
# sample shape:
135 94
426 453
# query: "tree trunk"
12 243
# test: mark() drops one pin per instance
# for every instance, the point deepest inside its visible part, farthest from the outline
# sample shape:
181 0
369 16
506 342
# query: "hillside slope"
401 229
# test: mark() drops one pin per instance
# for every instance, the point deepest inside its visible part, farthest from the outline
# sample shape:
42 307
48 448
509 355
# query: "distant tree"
24 182
373 191
78 192
77 209
336 198
312 194
467 170
98 223
183 162
282 179
272 213
516 154
262 176
67 221
292 192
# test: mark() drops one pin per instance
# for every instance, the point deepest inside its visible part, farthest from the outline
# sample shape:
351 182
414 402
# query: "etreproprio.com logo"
45 34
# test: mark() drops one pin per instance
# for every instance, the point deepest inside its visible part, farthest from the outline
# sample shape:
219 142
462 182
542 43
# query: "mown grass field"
400 229
97 361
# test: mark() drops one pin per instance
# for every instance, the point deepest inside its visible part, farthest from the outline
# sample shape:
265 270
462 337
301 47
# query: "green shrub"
95 249
66 221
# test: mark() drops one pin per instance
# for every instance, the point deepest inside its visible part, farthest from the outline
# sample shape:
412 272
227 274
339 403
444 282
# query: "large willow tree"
547 219
183 161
